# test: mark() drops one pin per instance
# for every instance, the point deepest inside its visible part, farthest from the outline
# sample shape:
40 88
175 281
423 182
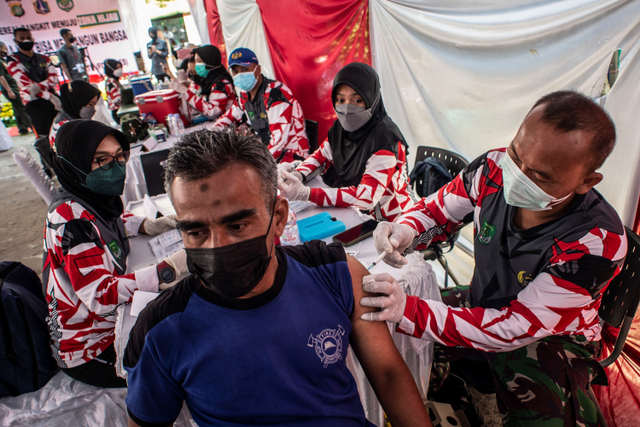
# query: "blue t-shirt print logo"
328 345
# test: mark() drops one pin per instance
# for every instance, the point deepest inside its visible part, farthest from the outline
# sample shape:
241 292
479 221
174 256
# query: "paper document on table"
140 301
166 244
298 205
150 208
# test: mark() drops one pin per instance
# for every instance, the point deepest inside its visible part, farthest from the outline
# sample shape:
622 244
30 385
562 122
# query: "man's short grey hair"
2 44
200 154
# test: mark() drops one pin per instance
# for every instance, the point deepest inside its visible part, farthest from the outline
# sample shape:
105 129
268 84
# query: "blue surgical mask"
520 191
245 81
201 69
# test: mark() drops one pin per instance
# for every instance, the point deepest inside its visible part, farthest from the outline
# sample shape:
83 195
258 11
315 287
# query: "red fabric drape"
620 401
309 41
215 28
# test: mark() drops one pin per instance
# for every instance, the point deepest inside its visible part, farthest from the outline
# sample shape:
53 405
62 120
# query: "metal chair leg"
445 264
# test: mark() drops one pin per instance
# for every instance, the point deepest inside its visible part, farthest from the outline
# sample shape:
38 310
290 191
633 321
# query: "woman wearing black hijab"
79 100
363 159
113 70
211 91
86 248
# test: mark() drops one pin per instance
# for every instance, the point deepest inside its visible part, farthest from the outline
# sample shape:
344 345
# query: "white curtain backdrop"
199 14
462 75
242 27
137 26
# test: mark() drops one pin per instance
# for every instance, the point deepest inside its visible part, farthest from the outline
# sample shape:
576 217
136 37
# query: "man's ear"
589 182
280 215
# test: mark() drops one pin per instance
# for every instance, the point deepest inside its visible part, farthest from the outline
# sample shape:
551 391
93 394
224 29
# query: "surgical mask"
520 191
353 117
234 270
72 40
25 45
118 72
201 69
87 112
107 182
245 81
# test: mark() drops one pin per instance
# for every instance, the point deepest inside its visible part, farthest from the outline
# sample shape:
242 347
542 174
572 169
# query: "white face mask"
520 191
118 72
87 112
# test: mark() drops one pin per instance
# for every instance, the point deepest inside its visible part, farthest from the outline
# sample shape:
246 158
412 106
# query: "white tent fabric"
137 26
242 27
199 14
462 75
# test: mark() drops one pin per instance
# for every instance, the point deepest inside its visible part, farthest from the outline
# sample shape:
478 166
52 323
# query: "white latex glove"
288 167
56 102
153 227
391 304
393 239
178 87
182 76
293 189
34 89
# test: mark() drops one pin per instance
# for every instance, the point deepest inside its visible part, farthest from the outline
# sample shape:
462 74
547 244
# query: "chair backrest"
312 134
44 149
452 161
153 169
39 179
623 293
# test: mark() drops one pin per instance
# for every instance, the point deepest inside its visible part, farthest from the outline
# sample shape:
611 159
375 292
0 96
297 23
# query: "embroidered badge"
328 345
115 249
236 55
486 233
524 279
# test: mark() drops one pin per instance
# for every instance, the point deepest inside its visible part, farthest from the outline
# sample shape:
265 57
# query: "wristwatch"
166 274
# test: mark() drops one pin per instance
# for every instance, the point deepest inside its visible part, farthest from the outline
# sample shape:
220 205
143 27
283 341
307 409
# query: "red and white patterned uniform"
527 284
114 98
19 73
384 181
60 119
83 288
286 121
220 99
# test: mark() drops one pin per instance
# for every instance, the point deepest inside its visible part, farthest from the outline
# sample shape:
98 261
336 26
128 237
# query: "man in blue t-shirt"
258 334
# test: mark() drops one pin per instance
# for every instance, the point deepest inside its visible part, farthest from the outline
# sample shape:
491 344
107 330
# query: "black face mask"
25 45
72 40
3 54
234 270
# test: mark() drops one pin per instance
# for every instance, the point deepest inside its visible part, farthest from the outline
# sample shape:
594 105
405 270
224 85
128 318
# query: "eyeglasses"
107 162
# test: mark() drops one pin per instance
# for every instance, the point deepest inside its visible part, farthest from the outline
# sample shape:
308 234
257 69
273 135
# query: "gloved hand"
393 239
34 89
178 87
177 261
56 102
392 303
153 227
182 76
288 167
293 189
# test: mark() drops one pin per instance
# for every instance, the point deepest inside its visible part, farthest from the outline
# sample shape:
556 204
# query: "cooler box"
141 85
161 103
319 226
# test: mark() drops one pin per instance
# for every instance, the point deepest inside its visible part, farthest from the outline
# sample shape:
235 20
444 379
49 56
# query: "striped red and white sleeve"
232 116
562 300
19 73
322 157
219 100
438 216
114 98
377 174
88 265
286 124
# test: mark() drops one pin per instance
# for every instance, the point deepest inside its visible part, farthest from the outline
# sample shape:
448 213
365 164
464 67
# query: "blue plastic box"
319 226
141 85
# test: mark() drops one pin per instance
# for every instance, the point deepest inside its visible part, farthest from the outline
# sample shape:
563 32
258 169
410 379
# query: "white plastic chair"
33 170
